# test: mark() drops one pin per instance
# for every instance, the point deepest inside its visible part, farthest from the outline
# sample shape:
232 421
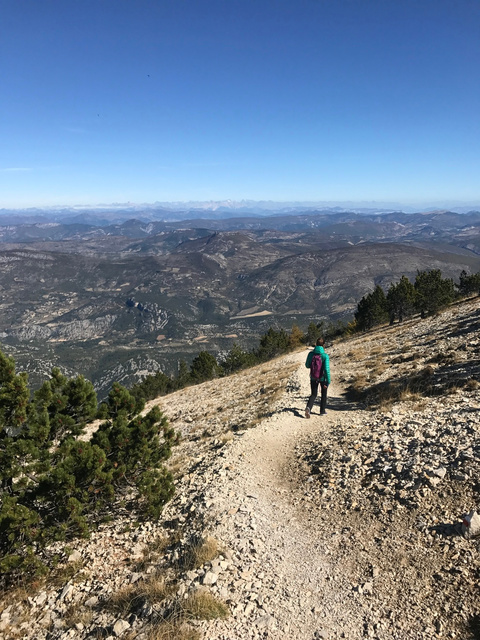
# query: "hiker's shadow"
447 529
334 403
340 403
296 412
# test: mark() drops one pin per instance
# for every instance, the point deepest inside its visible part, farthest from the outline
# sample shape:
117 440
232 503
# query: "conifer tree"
372 309
135 447
204 367
22 449
237 359
152 386
296 337
469 284
121 402
313 333
69 404
19 438
432 291
183 377
272 344
53 485
401 299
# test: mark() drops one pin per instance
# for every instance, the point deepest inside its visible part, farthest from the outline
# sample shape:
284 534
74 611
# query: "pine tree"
313 333
121 402
372 309
432 291
135 450
296 337
53 485
152 386
401 299
204 367
272 344
20 438
69 404
237 359
183 377
469 284
22 450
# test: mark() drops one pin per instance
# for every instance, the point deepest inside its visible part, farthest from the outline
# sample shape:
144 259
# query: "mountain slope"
347 525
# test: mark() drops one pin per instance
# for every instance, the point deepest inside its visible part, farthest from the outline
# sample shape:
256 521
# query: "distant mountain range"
99 215
461 229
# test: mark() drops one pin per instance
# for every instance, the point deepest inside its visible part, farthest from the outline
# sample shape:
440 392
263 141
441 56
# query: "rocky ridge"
343 526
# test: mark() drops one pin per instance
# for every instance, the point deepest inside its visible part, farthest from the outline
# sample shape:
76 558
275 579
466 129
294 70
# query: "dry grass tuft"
177 465
71 571
376 350
20 616
420 405
12 633
405 388
200 552
16 596
452 389
156 589
159 544
356 354
202 605
357 387
153 552
121 601
127 599
77 615
378 367
226 437
384 405
444 358
409 396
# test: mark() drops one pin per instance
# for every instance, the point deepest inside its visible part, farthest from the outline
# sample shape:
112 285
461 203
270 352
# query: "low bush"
54 486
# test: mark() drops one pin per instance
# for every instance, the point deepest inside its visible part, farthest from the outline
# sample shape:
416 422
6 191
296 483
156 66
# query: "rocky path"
289 585
349 525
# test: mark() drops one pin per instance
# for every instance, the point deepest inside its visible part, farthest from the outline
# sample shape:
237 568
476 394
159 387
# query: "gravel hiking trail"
309 597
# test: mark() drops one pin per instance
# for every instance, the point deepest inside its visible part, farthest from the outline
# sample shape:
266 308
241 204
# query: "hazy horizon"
250 205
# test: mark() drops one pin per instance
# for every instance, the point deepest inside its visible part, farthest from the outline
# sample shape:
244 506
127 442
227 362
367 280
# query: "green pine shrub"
401 299
469 284
55 486
372 310
432 292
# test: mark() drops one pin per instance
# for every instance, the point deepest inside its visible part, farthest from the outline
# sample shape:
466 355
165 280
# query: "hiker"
319 364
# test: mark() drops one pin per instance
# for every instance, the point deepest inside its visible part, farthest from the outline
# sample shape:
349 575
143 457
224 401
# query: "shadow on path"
447 529
340 403
334 403
293 410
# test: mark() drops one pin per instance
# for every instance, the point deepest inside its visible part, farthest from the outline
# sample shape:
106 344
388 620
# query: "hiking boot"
307 413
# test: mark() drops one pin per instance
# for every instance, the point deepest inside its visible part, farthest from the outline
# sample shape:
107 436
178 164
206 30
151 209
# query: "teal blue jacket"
325 377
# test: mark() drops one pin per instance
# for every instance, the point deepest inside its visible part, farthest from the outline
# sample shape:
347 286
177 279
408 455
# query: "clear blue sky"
155 100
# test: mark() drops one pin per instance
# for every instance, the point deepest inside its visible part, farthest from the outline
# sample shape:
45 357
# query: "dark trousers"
313 397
